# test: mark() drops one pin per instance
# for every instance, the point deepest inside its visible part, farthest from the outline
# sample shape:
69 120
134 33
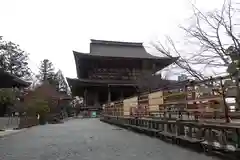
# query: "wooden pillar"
85 97
181 129
190 131
109 94
96 102
122 96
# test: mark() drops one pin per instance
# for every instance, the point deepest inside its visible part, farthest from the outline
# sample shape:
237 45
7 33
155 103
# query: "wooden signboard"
130 102
155 98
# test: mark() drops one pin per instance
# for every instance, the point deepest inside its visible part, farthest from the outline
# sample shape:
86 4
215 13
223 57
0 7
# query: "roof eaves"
77 63
153 57
16 79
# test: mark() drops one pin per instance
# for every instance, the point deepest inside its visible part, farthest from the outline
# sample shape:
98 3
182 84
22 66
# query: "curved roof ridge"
139 44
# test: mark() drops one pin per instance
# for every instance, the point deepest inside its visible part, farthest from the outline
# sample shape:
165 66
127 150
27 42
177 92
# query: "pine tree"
46 72
14 60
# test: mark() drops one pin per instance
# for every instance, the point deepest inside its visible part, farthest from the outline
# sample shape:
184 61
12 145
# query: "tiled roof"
95 55
116 43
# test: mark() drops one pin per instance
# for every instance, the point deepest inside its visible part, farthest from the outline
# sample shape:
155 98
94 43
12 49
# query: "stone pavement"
10 132
89 139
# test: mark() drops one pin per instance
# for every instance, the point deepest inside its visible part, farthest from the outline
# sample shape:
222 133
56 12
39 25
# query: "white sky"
53 28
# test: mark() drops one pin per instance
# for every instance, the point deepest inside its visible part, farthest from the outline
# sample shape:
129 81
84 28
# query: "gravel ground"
89 139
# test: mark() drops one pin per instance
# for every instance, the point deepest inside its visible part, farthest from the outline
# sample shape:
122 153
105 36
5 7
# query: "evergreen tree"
46 72
14 60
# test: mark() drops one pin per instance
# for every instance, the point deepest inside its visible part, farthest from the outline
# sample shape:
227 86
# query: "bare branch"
210 35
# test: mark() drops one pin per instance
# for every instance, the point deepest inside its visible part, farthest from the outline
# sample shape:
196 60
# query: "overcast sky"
53 28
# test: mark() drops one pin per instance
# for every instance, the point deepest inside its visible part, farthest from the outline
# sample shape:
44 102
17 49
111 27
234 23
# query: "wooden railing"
201 99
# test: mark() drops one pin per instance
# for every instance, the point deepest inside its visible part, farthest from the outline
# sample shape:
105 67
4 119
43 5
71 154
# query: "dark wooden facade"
111 71
8 80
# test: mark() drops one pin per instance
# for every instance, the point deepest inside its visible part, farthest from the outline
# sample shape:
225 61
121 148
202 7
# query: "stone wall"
9 122
26 122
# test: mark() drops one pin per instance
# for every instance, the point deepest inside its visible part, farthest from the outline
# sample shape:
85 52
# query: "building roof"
137 44
114 50
8 80
80 58
153 83
105 48
98 55
88 82
77 85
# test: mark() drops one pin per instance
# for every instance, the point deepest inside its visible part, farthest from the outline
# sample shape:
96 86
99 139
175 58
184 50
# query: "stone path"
89 139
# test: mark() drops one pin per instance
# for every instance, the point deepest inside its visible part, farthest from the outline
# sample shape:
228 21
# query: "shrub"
38 107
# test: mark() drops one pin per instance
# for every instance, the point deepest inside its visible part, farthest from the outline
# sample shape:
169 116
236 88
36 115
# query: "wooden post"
122 96
238 92
190 131
227 118
85 97
109 94
96 97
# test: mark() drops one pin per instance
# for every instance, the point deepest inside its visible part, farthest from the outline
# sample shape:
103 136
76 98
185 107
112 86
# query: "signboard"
94 114
182 77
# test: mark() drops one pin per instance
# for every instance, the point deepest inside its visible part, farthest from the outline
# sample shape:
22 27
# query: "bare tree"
210 36
210 42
